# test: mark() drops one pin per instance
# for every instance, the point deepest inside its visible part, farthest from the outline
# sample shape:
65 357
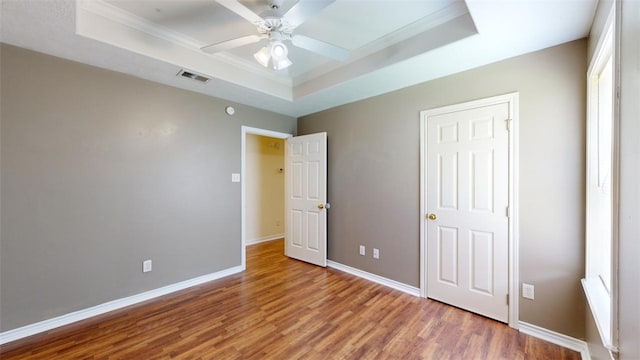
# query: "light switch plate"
528 291
235 177
147 266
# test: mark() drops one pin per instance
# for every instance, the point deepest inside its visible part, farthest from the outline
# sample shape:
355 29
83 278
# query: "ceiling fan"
278 29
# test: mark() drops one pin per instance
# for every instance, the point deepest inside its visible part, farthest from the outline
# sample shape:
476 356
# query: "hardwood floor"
285 309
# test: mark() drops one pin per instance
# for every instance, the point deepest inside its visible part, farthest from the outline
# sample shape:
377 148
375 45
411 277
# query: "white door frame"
512 99
252 131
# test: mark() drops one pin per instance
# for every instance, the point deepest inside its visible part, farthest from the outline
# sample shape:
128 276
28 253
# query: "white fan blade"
241 10
303 10
320 47
230 44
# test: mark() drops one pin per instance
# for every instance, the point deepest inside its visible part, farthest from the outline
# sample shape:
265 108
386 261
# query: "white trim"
603 303
114 13
599 52
411 290
264 239
599 302
423 208
514 234
87 313
243 154
514 208
556 338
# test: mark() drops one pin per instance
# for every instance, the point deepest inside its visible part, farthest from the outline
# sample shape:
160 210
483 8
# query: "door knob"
320 206
324 206
432 216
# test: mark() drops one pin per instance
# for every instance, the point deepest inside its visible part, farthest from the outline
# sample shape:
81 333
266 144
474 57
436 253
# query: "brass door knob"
320 206
432 216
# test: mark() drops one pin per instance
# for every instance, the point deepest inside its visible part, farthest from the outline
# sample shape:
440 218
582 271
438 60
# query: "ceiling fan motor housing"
273 25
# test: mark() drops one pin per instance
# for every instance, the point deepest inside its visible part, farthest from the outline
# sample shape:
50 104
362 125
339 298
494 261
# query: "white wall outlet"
362 250
235 177
376 253
146 266
528 291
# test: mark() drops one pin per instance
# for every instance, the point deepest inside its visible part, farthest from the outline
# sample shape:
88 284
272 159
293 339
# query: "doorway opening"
264 186
262 183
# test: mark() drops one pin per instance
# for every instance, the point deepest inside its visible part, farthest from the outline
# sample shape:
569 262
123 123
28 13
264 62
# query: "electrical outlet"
277 222
376 253
362 250
146 266
528 291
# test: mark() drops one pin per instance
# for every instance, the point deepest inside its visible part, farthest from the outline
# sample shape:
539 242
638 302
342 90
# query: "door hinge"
508 212
508 124
507 299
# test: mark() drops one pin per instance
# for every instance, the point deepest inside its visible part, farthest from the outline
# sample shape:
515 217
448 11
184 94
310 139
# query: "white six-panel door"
466 220
306 198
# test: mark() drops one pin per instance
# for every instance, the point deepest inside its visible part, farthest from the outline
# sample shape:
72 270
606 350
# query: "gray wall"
101 171
374 176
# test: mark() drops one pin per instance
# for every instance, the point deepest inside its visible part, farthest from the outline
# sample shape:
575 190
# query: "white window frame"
602 301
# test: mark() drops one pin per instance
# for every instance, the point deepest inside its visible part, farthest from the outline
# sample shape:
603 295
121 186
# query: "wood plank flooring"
285 309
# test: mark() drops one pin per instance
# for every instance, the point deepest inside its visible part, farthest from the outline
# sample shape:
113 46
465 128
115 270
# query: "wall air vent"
193 76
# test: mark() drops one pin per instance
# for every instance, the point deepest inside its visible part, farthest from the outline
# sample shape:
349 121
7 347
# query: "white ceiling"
393 44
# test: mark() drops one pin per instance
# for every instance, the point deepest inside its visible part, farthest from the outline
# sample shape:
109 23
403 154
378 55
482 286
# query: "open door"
306 198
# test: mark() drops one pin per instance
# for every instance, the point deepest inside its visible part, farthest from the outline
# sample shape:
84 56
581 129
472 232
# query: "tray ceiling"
392 44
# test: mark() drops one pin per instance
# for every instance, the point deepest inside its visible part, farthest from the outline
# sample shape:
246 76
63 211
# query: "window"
601 180
600 200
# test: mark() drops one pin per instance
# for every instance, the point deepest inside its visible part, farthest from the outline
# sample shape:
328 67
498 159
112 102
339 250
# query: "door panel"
448 254
296 179
295 237
467 159
448 181
313 180
482 181
482 262
306 189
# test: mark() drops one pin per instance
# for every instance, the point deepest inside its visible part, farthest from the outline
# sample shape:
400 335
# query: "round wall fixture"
230 110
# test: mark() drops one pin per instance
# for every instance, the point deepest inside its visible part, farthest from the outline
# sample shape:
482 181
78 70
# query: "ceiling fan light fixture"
262 56
280 64
278 28
279 50
279 54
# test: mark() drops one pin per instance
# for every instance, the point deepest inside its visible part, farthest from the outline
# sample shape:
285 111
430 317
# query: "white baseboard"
264 239
411 290
69 318
556 338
